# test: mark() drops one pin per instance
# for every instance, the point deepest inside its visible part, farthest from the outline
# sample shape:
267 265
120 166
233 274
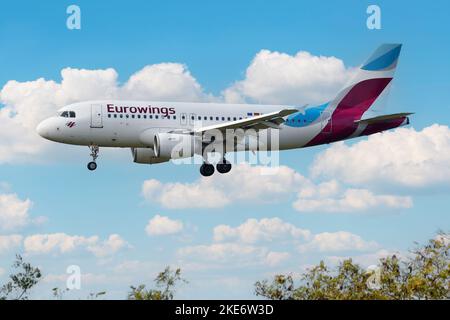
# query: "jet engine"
176 145
146 155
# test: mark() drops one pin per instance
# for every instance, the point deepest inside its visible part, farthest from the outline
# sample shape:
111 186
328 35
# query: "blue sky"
217 43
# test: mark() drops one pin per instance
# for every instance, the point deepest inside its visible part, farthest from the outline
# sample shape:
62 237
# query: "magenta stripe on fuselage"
350 109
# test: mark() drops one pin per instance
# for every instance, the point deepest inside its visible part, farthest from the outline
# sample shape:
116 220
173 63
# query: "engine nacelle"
176 146
146 155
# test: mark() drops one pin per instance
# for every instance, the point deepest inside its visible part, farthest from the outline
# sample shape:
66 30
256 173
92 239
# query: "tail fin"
371 80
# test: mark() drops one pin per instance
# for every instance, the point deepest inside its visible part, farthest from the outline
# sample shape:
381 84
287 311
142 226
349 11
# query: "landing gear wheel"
206 169
223 166
94 154
92 165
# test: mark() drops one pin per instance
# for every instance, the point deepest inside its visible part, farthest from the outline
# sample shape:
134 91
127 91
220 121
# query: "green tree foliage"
20 282
423 275
166 282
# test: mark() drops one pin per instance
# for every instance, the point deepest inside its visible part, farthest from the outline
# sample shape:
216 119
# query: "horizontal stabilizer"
384 118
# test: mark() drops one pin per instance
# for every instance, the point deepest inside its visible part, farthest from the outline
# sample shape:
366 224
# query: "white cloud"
162 82
86 278
404 157
160 225
2 272
13 211
64 243
243 183
267 229
275 77
223 252
59 242
9 242
276 258
331 197
108 247
337 241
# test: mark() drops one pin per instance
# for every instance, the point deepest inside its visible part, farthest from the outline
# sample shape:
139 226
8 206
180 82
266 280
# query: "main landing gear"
94 154
207 169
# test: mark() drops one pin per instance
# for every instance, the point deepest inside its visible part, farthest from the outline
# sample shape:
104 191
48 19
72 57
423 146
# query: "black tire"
223 167
206 169
92 166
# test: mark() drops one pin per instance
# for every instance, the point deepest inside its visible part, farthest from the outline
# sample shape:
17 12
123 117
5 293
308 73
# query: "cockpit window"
67 114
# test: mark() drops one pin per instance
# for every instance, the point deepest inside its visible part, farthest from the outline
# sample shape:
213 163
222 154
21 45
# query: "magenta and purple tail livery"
342 114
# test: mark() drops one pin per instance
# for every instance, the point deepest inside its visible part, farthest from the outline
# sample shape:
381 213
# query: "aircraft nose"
43 129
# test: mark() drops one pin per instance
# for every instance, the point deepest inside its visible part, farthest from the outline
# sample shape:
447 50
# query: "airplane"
154 131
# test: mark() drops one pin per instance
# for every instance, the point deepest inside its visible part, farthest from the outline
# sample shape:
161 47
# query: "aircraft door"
96 116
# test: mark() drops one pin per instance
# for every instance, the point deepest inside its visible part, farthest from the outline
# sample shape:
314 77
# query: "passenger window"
168 117
192 118
121 115
205 118
174 117
127 116
145 116
156 116
229 118
234 118
211 118
150 116
217 118
139 116
109 116
132 116
223 118
115 116
183 117
199 118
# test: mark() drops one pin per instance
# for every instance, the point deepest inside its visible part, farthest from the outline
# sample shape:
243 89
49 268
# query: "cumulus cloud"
232 252
275 77
258 184
164 81
337 241
276 258
404 157
266 229
108 247
331 197
160 225
64 243
243 183
9 242
246 244
13 211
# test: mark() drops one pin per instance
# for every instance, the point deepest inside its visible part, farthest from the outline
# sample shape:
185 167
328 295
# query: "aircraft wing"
265 121
384 118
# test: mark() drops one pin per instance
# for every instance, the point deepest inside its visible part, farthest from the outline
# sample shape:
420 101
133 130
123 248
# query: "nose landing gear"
94 154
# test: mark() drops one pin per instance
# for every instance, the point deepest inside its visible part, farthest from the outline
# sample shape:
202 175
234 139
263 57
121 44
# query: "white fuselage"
129 123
